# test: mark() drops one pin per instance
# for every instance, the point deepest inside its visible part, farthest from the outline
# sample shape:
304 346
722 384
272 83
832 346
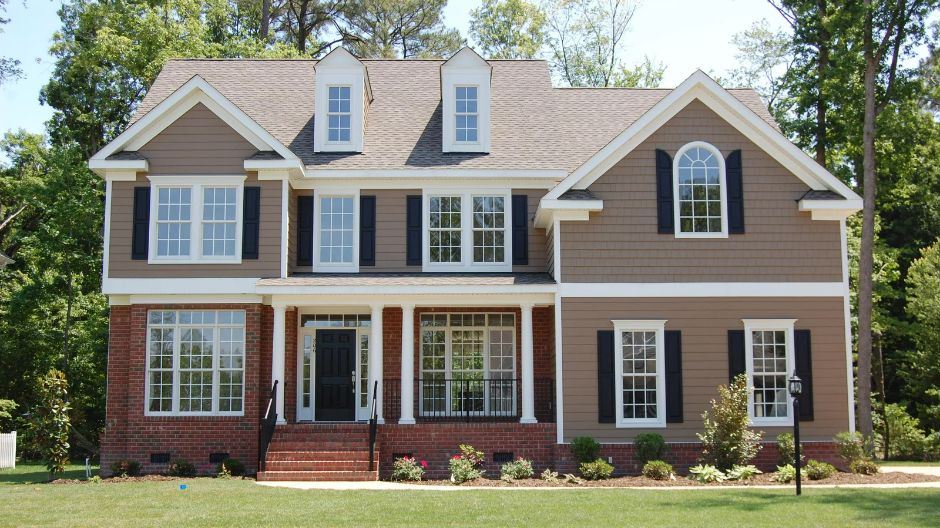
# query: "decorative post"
278 358
407 364
528 369
375 359
796 387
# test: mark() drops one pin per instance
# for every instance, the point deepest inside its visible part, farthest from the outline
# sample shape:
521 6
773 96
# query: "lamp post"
795 386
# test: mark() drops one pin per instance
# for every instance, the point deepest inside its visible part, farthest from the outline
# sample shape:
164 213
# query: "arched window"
699 190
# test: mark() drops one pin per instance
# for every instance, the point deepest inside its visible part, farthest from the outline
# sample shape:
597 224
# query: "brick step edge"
317 465
319 455
317 476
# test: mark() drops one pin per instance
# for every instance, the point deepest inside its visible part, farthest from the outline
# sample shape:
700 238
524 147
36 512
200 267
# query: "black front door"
335 375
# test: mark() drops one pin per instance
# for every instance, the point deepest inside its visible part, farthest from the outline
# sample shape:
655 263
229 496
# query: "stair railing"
267 427
373 426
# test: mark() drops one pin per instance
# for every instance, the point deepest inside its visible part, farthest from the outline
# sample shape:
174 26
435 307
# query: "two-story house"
477 256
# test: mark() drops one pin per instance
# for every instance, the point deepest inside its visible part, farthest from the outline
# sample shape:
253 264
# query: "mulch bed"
142 478
759 480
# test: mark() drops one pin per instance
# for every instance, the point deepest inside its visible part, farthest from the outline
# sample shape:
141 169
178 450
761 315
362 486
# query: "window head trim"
723 190
756 325
466 231
344 267
659 327
196 183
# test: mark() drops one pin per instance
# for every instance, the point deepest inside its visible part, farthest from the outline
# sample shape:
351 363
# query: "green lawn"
211 502
909 463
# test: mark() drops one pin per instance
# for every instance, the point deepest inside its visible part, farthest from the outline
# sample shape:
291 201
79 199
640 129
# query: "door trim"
310 416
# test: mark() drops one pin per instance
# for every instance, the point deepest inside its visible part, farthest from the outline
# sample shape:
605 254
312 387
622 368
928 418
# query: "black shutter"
140 232
605 376
804 369
251 222
737 361
673 370
664 203
413 254
367 230
520 230
305 230
735 183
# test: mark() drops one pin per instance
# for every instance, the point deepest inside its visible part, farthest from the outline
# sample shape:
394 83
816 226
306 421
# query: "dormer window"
467 116
339 114
342 100
465 101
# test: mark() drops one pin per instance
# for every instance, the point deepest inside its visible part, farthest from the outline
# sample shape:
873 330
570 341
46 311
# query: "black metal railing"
267 427
454 399
373 426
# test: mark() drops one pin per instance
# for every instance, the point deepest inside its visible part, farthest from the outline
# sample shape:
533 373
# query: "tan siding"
537 239
621 244
292 223
390 230
121 265
704 324
199 142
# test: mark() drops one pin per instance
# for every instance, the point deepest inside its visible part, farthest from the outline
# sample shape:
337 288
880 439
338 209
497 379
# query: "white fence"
8 450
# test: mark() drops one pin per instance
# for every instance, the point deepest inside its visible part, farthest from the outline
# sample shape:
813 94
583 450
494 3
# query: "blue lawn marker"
183 487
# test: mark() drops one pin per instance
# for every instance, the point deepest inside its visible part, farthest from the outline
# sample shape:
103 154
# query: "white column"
528 368
375 358
277 358
407 364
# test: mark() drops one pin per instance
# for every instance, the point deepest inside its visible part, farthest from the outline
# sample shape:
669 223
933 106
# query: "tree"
508 29
9 68
648 74
584 38
764 58
50 421
923 306
311 26
399 29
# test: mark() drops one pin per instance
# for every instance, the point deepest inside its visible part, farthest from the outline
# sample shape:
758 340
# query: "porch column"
375 359
407 364
277 358
528 369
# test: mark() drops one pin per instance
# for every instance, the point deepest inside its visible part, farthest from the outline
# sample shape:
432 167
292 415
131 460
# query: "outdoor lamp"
795 385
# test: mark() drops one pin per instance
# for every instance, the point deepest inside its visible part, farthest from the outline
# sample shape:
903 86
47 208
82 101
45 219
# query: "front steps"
319 452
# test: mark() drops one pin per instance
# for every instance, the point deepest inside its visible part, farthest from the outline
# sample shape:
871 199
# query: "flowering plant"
408 468
466 465
517 469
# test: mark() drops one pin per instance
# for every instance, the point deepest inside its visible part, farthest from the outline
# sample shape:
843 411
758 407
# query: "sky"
682 34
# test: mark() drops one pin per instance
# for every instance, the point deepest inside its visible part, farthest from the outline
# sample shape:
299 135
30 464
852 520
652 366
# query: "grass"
908 463
234 503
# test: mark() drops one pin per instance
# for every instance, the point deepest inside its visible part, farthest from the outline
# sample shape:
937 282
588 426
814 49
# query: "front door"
335 384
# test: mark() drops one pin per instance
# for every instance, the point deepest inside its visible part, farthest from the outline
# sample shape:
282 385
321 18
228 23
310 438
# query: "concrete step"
317 476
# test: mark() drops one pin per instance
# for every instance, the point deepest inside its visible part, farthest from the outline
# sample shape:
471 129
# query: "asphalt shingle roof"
534 126
411 279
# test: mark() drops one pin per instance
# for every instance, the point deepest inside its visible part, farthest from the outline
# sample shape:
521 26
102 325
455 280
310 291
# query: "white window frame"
474 114
352 267
724 192
340 71
196 184
466 231
754 325
349 114
216 378
659 327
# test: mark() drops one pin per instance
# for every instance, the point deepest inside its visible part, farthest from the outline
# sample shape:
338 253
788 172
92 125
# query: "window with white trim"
466 114
769 351
467 230
195 362
195 221
339 116
640 384
336 230
699 189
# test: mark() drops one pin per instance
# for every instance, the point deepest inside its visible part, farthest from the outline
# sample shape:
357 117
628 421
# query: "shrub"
596 470
657 470
232 467
906 440
549 476
181 468
50 421
6 414
585 449
851 446
705 473
519 468
786 449
816 470
932 447
786 474
572 479
742 472
649 446
125 468
466 466
408 469
864 467
727 439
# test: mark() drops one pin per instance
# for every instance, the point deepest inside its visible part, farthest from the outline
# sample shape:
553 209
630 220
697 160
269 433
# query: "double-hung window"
466 116
769 362
339 114
195 221
195 362
467 230
640 384
699 188
337 232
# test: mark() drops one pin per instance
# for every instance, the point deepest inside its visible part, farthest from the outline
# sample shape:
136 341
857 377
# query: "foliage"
549 476
816 470
232 466
647 74
597 470
6 414
573 479
851 446
519 468
786 474
649 446
181 468
508 29
658 470
743 472
9 68
728 439
764 56
923 307
466 466
408 469
50 421
901 437
864 467
399 29
585 449
125 468
706 473
932 447
786 449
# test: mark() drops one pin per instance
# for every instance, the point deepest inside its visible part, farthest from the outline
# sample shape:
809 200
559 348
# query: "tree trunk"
866 258
822 69
265 20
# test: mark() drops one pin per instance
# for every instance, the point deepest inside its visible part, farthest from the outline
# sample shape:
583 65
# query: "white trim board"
702 87
397 299
702 289
187 286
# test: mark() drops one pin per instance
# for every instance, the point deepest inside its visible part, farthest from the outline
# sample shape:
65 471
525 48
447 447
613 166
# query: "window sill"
774 422
157 260
641 424
701 235
148 414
